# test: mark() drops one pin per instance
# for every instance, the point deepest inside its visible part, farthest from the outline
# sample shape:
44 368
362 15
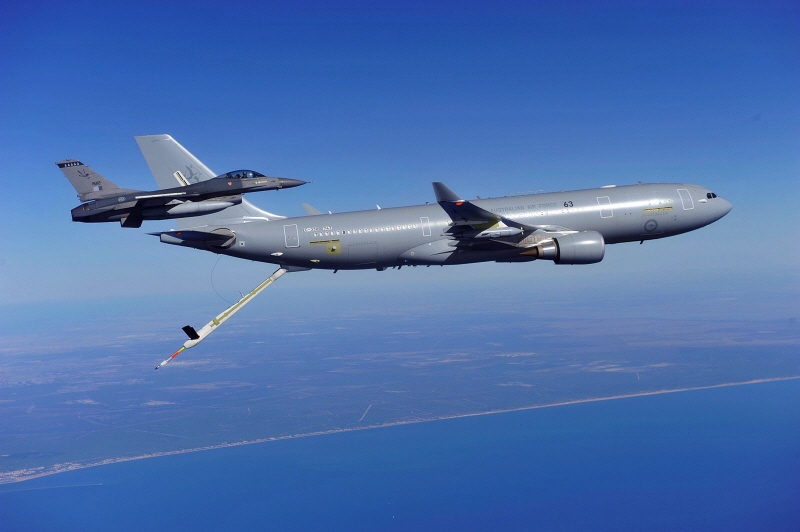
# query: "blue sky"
373 103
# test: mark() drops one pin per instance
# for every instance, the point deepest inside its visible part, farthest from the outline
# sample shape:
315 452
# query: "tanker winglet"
464 212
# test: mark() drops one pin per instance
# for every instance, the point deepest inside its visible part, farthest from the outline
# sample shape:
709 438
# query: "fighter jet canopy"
240 174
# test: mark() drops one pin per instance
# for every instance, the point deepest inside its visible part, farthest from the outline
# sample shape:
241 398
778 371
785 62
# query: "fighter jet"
106 202
570 227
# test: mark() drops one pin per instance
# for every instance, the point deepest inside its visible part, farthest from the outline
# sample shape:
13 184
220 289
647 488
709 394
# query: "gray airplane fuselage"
423 235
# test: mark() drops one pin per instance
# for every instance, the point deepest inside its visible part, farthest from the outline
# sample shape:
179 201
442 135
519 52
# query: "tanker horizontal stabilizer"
221 238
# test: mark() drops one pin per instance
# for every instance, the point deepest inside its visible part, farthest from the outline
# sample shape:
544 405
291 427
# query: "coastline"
22 475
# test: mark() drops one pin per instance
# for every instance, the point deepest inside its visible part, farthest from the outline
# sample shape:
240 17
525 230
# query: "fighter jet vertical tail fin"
89 184
172 165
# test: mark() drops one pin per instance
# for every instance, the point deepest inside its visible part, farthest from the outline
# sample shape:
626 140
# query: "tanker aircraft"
570 227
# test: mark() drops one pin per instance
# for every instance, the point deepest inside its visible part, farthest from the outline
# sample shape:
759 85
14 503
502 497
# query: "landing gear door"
290 234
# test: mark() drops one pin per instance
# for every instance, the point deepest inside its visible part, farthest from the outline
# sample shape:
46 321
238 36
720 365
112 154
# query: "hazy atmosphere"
372 103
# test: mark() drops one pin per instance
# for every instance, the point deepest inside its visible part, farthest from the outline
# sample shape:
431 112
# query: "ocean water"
718 459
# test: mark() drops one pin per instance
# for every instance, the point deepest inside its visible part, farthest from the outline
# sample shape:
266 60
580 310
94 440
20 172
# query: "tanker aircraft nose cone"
726 207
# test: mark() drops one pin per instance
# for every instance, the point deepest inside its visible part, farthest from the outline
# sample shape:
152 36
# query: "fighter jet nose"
289 183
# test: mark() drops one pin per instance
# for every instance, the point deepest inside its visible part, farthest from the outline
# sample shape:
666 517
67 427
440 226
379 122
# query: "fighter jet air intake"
211 213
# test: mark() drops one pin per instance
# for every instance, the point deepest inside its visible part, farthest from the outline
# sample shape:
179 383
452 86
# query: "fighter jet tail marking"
89 184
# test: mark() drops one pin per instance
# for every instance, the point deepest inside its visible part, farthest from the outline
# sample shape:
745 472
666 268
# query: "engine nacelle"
585 247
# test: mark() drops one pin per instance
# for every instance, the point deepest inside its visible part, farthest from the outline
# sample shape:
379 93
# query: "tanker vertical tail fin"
173 165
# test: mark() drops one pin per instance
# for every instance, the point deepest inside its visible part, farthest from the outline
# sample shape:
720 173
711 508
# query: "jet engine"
584 247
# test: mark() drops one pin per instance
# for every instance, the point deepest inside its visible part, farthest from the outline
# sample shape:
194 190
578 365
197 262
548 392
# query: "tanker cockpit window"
710 195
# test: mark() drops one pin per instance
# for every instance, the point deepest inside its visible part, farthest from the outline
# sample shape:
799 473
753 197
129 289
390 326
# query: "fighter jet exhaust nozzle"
584 247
